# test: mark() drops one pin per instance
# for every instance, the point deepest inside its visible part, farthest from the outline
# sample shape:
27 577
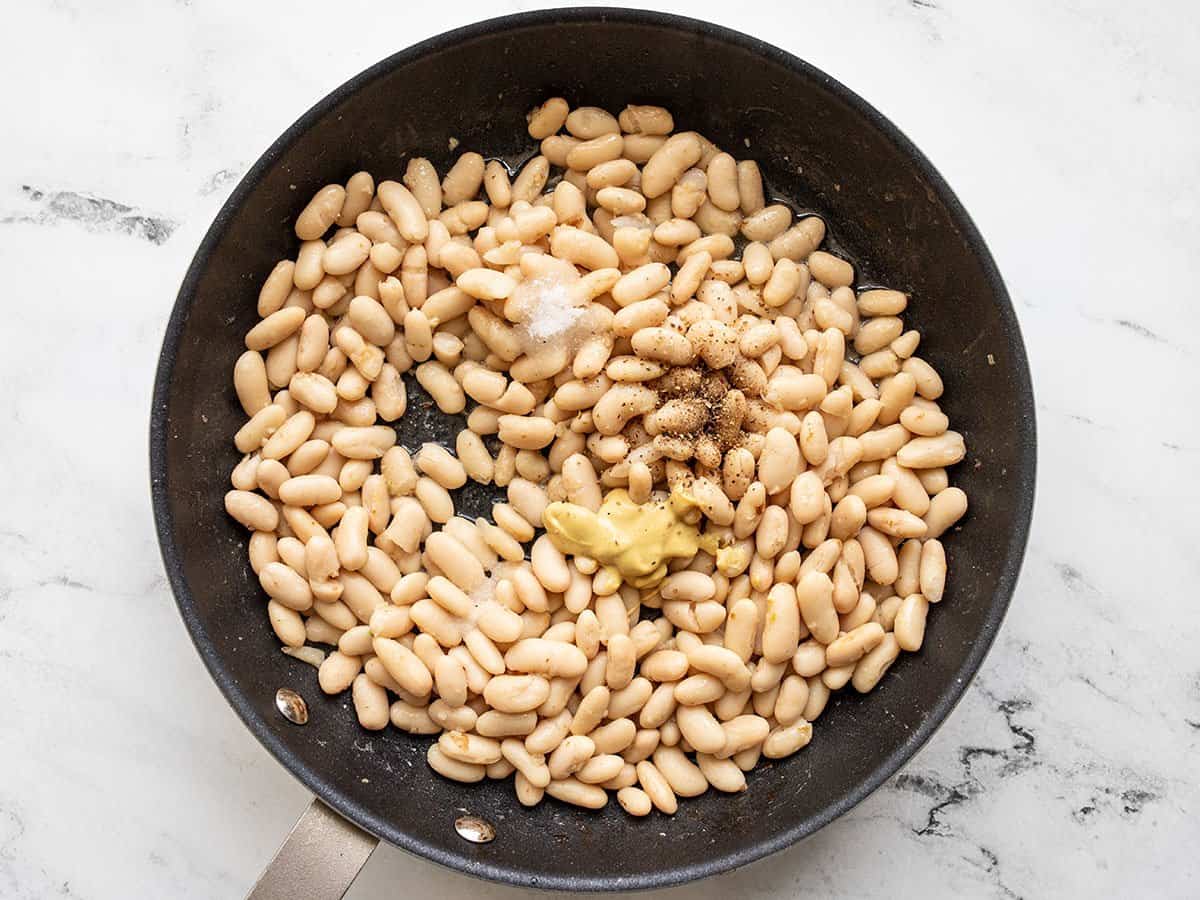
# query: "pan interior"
821 148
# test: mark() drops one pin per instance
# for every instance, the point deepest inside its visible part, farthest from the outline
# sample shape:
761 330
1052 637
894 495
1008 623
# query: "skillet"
821 147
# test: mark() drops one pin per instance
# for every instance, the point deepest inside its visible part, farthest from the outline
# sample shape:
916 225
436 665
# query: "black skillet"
819 145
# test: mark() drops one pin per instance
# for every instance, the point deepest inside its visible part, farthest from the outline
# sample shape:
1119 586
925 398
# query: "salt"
551 313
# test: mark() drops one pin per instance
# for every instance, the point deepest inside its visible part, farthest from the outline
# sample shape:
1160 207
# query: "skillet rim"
316 781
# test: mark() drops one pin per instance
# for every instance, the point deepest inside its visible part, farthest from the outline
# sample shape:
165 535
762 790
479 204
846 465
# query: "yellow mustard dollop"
637 540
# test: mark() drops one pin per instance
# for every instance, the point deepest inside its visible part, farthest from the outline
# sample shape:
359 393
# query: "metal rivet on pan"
292 706
475 829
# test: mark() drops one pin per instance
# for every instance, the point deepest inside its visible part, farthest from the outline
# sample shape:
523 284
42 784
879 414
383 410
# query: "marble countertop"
1072 133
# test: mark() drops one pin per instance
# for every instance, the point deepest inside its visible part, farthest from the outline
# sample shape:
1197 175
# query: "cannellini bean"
486 284
250 382
741 733
656 787
768 223
412 719
531 765
496 724
275 328
663 344
461 718
945 508
453 769
526 432
546 120
587 122
370 703
360 191
587 250
531 179
338 672
570 756
871 667
641 283
922 421
575 792
286 623
284 585
814 593
252 510
346 255
516 693
613 173
463 180
689 586
617 200
421 178
615 736
946 449
473 748
750 187
451 557
723 774
439 464
786 740
552 658
723 663
634 801
909 624
308 272
625 702
668 163
723 182
404 209
853 645
445 391
779 461
698 690
276 287
796 242
646 120
781 629
685 777
640 147
929 383
263 549
621 403
932 570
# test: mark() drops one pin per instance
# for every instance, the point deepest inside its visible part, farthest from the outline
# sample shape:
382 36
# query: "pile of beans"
828 467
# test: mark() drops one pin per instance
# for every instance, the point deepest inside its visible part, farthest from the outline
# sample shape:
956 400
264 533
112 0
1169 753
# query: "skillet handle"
319 859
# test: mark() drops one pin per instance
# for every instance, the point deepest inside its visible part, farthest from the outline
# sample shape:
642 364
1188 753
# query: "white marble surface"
1072 133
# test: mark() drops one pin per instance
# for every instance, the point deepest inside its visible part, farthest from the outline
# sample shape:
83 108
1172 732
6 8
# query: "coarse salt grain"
551 313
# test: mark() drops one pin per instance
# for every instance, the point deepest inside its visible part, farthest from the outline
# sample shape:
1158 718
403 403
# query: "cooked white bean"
786 740
454 769
871 667
634 801
252 510
370 704
945 509
669 162
946 449
656 787
909 624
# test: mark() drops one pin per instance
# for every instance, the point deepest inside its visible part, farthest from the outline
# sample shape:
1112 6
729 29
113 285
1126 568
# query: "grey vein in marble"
50 208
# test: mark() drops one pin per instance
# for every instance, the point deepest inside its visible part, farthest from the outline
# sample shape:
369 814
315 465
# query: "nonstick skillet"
821 147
